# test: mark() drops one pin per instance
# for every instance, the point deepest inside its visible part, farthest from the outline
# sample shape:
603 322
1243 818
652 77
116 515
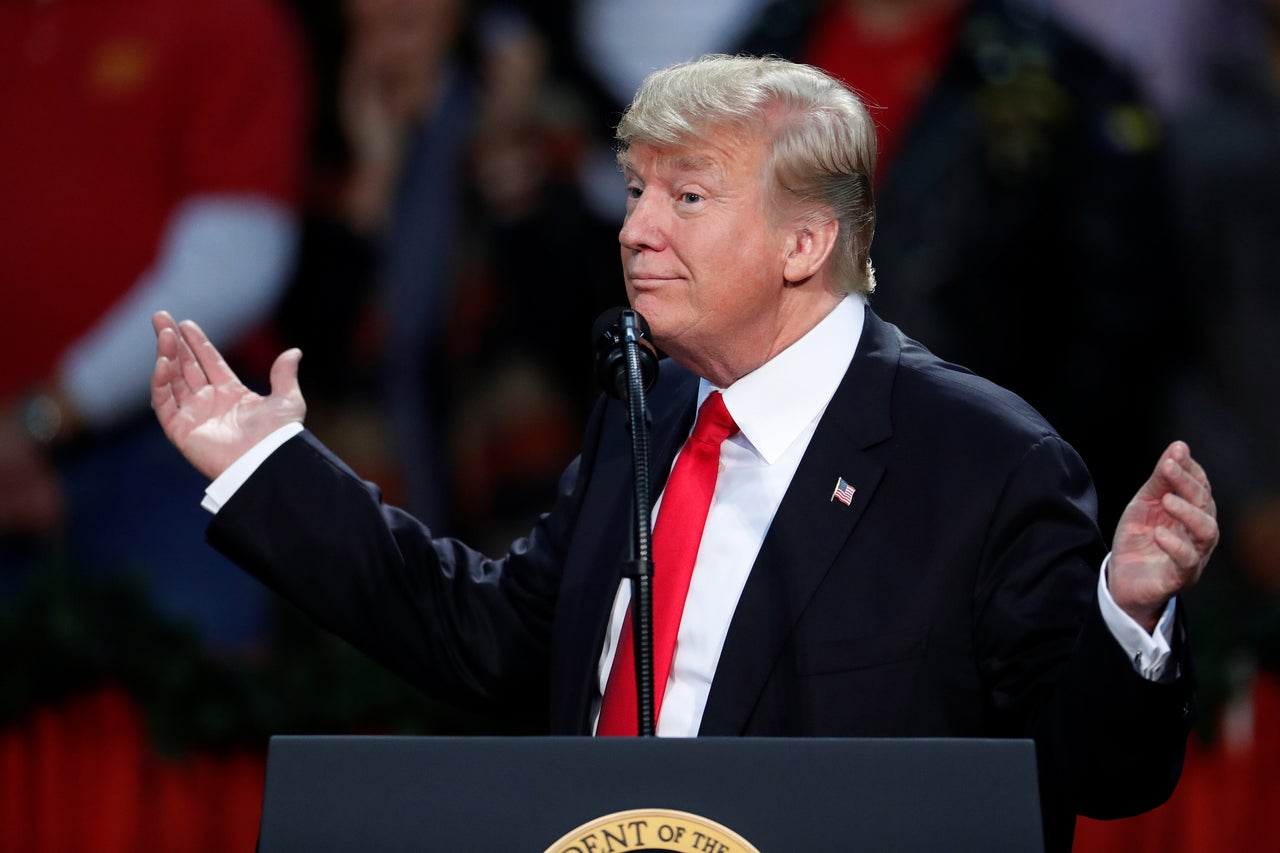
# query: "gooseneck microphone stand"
626 366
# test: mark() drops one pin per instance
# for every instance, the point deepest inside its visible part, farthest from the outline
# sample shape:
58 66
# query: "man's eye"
634 192
690 198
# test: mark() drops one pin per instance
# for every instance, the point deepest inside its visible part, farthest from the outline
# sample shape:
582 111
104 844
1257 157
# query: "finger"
167 342
1173 475
210 360
1182 553
185 361
162 399
1186 484
1199 525
169 392
1182 453
163 320
170 350
1200 476
284 374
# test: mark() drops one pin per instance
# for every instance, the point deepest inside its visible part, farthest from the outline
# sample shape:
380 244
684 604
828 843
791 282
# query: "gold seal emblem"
652 829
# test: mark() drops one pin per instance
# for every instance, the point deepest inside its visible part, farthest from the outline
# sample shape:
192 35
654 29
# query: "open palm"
204 408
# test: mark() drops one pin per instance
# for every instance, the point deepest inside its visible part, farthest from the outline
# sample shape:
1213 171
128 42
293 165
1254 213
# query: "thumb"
284 374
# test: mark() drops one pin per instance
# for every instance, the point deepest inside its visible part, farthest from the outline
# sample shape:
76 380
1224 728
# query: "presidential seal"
657 830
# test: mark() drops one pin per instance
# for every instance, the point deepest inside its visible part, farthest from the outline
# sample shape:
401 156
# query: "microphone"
626 367
610 334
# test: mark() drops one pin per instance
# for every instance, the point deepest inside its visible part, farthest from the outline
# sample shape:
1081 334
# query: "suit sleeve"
466 628
1109 742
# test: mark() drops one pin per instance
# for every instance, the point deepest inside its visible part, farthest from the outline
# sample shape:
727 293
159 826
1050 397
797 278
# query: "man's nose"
642 228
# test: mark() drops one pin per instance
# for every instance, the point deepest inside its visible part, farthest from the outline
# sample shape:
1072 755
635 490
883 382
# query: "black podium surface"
526 793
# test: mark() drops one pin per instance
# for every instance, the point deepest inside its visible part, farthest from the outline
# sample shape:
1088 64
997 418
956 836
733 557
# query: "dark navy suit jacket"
954 596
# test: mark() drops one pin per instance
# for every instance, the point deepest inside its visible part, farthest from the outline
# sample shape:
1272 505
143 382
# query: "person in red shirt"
151 153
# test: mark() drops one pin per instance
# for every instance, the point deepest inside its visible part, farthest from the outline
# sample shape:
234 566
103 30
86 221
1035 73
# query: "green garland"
65 633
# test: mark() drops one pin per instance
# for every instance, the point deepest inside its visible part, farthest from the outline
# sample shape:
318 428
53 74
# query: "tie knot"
715 424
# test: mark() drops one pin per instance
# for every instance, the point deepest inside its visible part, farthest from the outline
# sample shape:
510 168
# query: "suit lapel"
809 529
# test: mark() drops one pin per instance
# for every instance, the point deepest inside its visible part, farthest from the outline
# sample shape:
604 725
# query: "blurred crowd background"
1079 199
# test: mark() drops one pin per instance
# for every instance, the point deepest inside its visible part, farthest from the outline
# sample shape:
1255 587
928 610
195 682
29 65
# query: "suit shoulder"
931 389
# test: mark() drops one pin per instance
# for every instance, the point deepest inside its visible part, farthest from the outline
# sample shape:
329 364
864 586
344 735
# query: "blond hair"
822 141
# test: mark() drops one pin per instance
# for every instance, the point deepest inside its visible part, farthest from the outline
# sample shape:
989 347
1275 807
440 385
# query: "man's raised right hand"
205 410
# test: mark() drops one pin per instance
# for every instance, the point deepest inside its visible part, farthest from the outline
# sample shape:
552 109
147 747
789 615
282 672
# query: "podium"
608 795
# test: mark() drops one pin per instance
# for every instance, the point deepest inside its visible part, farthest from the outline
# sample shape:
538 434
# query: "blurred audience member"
1228 167
604 48
418 271
1165 43
1022 223
149 157
407 101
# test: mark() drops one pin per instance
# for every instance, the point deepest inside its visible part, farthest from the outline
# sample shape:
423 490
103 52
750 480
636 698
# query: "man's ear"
809 250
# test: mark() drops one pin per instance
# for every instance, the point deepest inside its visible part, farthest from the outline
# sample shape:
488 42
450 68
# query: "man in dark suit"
892 546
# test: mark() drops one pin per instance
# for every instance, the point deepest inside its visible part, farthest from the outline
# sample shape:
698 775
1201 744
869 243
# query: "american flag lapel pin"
843 493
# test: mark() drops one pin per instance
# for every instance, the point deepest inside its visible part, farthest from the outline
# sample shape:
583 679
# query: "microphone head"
606 331
610 333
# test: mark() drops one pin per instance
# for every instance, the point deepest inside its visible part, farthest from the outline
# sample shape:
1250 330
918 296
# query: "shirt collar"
774 403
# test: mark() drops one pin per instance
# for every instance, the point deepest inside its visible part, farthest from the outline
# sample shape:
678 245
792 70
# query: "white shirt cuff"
1148 652
221 489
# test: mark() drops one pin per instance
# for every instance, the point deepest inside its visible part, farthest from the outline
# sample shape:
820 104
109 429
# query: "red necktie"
676 537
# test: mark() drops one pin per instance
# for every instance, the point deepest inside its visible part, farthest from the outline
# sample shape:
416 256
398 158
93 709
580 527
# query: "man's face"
701 256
